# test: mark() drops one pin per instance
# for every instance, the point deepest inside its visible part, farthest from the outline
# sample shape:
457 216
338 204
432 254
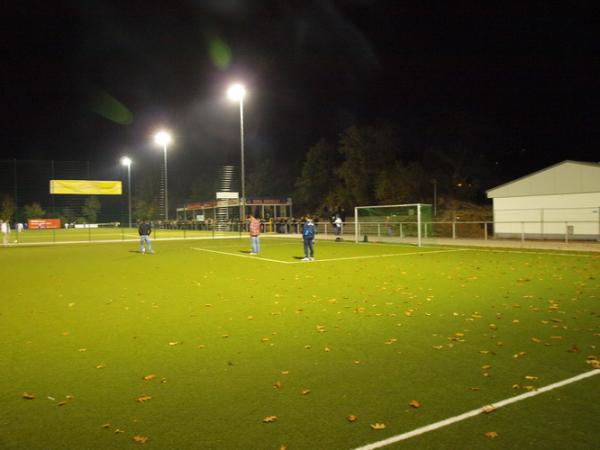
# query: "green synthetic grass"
232 339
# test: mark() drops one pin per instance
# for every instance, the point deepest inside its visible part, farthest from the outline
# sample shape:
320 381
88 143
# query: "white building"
559 202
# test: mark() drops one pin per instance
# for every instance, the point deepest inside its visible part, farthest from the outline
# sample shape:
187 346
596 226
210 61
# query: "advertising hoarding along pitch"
85 187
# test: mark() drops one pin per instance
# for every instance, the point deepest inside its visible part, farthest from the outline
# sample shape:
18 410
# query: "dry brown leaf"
574 349
140 439
486 366
100 366
519 355
414 404
106 425
305 391
270 419
277 385
351 418
62 403
28 396
149 377
536 340
378 426
491 434
488 409
143 398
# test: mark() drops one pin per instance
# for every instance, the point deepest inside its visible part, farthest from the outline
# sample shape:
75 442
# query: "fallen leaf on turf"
414 404
143 398
285 372
62 403
140 439
475 388
519 355
28 396
488 409
174 343
491 434
351 418
574 349
378 426
516 386
149 377
270 419
327 349
438 347
277 385
100 366
530 377
82 350
536 340
106 425
486 366
556 338
118 430
305 391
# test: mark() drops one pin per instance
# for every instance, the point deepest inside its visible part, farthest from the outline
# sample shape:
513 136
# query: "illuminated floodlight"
162 138
126 161
236 92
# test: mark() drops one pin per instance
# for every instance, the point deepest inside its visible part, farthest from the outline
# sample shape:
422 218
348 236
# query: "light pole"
127 162
237 92
164 138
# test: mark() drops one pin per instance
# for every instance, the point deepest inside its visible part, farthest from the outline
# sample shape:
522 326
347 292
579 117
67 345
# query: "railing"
564 231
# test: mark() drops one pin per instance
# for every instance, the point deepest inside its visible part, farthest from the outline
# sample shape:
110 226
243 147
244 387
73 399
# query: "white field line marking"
387 255
475 412
242 256
330 259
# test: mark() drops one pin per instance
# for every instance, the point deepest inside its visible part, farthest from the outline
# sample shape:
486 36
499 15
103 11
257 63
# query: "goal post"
406 223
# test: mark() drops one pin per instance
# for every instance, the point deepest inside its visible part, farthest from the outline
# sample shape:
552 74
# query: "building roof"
567 177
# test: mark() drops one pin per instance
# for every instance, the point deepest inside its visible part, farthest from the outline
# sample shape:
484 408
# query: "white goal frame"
418 222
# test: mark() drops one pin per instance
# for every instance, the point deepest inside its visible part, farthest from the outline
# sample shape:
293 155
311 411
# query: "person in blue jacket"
308 236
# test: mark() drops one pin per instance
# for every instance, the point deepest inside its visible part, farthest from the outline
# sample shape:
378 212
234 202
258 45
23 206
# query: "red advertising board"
41 224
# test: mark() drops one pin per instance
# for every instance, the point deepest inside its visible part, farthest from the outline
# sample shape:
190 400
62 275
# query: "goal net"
410 223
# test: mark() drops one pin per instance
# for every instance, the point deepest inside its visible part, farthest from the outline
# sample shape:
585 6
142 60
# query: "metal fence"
431 232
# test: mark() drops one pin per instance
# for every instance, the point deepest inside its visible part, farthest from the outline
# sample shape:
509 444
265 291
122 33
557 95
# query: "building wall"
548 216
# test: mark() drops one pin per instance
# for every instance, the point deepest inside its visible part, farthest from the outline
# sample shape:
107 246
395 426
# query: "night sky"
92 80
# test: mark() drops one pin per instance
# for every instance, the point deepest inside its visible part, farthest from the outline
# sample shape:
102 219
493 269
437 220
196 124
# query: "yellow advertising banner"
85 187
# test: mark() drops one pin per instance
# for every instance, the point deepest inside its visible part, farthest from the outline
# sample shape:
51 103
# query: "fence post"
522 231
453 229
485 237
566 232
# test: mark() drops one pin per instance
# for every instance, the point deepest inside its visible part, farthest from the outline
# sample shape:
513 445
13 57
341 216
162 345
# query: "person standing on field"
308 236
145 229
254 234
5 232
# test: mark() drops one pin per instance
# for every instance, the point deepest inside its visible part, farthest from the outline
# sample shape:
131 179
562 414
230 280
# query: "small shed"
559 202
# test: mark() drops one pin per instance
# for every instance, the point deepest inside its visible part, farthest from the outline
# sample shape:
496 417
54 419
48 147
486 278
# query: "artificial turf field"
226 340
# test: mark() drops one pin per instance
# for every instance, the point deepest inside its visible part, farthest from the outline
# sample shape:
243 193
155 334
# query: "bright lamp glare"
162 138
126 161
236 92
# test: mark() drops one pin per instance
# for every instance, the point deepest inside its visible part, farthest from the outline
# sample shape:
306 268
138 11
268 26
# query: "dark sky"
93 79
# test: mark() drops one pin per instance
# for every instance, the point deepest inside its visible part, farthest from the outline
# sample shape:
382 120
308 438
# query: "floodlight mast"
127 162
163 138
237 92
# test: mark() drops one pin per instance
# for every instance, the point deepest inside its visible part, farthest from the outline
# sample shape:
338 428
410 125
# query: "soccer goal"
410 223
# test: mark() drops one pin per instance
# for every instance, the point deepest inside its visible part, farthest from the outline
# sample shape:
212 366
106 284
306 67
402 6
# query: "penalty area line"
475 412
260 258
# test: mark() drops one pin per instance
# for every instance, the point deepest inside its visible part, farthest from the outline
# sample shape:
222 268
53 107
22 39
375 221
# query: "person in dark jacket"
145 230
308 236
